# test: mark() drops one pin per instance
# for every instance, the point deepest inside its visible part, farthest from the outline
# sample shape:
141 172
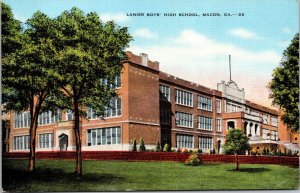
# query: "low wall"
157 156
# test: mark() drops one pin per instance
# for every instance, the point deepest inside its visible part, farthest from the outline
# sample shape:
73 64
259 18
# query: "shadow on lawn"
251 170
53 175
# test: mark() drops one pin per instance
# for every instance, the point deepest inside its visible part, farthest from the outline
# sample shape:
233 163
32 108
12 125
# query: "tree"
88 51
10 32
29 75
236 142
284 85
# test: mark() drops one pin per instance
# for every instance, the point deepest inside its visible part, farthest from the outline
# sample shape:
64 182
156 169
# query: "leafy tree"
88 50
10 32
284 85
236 142
30 75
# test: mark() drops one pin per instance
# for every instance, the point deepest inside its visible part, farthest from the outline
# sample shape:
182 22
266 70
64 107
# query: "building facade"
157 106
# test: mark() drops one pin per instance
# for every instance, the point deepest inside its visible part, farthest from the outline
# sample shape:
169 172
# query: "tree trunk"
31 163
34 112
237 162
78 169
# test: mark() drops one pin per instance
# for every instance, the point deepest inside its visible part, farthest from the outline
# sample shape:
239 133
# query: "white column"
247 129
258 130
253 130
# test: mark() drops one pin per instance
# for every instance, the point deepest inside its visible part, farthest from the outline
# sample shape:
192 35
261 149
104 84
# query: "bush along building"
157 106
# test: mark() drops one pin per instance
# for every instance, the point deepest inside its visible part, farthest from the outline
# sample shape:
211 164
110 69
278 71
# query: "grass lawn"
57 175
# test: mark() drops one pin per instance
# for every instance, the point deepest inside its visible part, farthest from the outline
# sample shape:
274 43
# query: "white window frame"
204 103
219 106
219 124
164 90
206 143
184 119
183 97
205 123
108 131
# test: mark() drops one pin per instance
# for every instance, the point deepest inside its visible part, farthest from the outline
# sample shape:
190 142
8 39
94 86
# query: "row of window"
22 120
186 120
45 140
104 136
187 141
116 83
186 98
114 110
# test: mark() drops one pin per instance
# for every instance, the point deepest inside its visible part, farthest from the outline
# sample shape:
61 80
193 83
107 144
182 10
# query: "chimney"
144 59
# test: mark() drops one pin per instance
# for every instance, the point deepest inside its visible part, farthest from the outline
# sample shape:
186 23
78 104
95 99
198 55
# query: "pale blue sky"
197 48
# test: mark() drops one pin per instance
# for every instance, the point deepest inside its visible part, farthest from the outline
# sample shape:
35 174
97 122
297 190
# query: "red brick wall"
159 156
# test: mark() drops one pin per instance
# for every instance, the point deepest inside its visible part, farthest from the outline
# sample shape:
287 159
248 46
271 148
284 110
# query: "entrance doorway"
63 142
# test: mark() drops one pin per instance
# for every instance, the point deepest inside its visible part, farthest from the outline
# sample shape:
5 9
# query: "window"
49 117
204 103
184 98
22 120
231 107
184 119
219 125
219 106
104 136
274 135
205 123
164 93
69 115
114 109
116 82
265 134
21 142
165 115
205 143
274 121
184 141
265 119
45 140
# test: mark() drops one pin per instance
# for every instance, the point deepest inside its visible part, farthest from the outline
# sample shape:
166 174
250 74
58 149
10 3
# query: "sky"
196 47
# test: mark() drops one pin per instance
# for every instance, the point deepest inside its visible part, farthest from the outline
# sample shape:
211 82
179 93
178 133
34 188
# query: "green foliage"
142 145
158 147
10 32
193 160
236 141
30 74
166 148
134 145
284 85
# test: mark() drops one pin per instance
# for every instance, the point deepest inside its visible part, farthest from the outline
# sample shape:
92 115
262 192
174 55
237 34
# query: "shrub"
193 160
158 147
142 145
173 149
134 145
166 148
200 151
